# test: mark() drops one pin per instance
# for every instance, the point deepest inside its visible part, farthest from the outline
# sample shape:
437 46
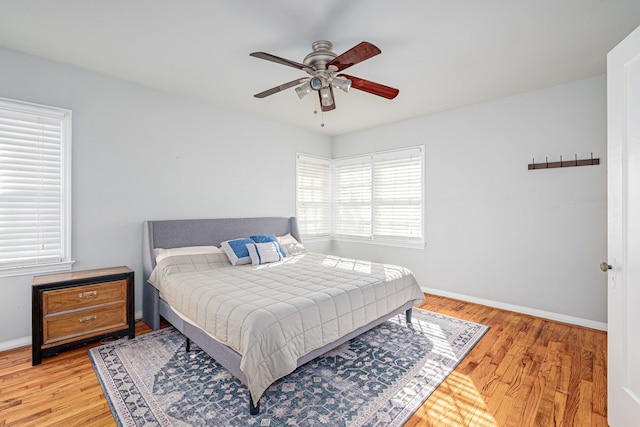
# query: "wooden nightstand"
74 308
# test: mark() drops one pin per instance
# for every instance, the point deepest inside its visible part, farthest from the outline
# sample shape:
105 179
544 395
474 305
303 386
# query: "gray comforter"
273 314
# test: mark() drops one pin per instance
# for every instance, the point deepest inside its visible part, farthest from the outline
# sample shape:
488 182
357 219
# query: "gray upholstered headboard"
207 232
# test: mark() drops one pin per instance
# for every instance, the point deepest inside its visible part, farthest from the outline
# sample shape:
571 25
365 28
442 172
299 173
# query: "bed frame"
211 232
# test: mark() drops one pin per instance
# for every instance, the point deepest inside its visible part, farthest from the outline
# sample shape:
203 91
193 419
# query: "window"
352 203
397 189
379 196
375 198
35 199
313 196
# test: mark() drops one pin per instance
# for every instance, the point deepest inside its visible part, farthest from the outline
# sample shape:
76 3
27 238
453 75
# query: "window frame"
65 262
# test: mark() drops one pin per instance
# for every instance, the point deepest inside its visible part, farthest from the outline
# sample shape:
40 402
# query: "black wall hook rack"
564 163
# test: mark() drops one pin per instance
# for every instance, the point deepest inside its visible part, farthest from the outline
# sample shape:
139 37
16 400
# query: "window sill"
379 242
317 239
36 269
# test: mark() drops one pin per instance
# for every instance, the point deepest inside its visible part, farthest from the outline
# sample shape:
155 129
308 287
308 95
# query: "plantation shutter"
32 194
397 195
376 197
352 190
313 200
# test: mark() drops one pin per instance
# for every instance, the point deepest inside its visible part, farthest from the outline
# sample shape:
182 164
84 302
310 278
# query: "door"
623 167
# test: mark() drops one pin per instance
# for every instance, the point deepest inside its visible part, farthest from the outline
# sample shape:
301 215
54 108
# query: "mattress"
272 314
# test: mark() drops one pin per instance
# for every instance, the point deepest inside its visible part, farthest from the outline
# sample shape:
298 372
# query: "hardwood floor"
525 371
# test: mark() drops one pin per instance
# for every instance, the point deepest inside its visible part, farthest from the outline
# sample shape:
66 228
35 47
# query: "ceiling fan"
324 68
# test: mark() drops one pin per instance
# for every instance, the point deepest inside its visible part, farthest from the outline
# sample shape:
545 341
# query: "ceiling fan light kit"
325 96
341 83
324 67
303 90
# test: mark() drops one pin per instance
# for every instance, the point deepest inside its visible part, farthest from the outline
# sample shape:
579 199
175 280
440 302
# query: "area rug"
377 379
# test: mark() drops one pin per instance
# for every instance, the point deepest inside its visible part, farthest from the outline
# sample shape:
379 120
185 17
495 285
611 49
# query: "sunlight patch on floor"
440 342
456 403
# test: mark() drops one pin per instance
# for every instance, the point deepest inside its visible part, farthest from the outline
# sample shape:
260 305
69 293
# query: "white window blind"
397 192
352 189
313 196
34 194
379 197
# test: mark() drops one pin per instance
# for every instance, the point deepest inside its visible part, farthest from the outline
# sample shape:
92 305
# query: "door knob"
605 267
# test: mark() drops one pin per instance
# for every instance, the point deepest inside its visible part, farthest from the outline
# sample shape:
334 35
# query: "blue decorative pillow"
237 251
267 238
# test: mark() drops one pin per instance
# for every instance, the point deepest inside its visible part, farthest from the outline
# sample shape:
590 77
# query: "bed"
262 321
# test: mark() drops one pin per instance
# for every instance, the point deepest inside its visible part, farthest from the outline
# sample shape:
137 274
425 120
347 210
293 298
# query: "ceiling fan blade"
356 54
281 87
372 87
331 106
278 60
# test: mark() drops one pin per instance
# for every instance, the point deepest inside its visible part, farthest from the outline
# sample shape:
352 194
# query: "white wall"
142 154
495 230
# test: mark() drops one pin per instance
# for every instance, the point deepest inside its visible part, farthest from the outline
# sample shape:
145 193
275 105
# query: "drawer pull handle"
88 319
90 294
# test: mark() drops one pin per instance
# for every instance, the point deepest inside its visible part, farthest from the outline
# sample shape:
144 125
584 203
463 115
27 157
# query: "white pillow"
236 250
290 245
160 253
262 253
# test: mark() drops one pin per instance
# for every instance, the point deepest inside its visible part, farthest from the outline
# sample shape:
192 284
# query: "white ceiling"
440 54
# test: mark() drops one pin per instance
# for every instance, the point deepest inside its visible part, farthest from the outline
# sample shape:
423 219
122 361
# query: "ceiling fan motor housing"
321 55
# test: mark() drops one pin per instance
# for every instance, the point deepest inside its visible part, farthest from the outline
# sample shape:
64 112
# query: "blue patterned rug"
377 379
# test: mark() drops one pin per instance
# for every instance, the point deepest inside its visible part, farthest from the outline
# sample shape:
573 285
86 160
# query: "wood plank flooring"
525 371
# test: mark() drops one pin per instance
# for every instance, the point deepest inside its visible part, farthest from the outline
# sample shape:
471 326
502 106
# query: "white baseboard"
17 343
520 309
25 341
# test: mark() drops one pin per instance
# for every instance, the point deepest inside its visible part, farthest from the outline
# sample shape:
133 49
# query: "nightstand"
74 308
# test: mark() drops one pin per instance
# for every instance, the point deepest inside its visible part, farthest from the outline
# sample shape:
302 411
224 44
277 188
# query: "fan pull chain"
321 115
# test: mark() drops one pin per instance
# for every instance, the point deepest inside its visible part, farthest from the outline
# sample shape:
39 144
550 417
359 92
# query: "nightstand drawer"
83 296
80 324
78 307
